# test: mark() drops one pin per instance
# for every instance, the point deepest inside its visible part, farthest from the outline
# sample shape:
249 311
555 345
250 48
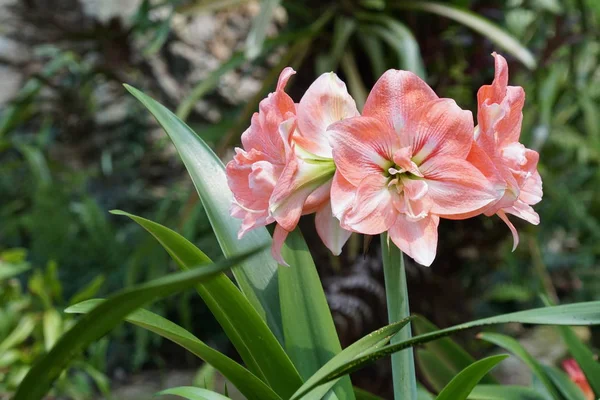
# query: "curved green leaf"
587 313
435 372
246 382
462 384
361 394
518 350
310 336
258 31
504 392
446 350
250 335
479 24
374 340
564 384
193 393
258 281
105 317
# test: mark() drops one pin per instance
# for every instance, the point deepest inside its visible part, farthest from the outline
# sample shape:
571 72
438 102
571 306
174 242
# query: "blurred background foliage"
73 145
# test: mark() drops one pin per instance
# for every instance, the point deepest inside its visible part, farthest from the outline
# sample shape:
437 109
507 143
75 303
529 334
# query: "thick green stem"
403 364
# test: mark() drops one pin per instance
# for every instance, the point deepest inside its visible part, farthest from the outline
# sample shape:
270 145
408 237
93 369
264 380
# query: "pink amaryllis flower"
578 377
285 167
498 154
402 165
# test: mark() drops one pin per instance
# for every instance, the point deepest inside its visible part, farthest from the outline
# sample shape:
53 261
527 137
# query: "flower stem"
403 364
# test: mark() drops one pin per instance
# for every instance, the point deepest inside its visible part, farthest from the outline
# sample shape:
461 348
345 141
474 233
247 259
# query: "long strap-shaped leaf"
310 336
504 392
193 393
584 357
564 384
258 281
512 345
462 384
246 382
104 318
250 335
587 313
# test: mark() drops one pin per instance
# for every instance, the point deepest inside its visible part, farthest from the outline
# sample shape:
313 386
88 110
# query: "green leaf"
104 318
565 385
343 28
19 334
587 313
52 327
258 31
250 335
423 394
258 281
310 336
399 38
462 384
9 270
446 349
361 394
356 87
246 382
584 357
504 392
373 48
193 393
479 24
435 372
396 291
518 350
89 291
374 340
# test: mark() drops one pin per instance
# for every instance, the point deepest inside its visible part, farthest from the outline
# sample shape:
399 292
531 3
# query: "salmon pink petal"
395 98
402 158
250 218
279 236
373 210
316 200
456 188
512 228
342 195
531 192
361 146
331 233
326 101
418 239
284 77
523 211
440 128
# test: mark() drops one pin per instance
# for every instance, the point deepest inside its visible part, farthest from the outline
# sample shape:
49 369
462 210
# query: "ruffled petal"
418 239
326 101
373 209
342 195
331 233
457 189
523 211
512 228
361 146
395 98
439 128
279 236
531 192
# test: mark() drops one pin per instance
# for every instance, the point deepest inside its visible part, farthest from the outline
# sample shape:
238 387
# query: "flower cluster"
409 159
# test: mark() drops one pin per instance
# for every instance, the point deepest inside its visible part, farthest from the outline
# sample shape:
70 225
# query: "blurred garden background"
74 145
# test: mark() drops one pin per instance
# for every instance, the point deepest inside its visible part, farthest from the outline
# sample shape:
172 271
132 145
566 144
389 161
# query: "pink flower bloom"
285 167
578 377
498 154
402 165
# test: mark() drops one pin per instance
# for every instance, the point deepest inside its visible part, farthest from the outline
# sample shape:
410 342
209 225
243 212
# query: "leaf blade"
462 384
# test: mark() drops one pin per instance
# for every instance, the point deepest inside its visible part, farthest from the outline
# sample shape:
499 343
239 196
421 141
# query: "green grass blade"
587 313
246 382
193 393
361 394
396 291
479 24
310 336
105 317
518 350
504 392
462 384
258 347
258 281
258 30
